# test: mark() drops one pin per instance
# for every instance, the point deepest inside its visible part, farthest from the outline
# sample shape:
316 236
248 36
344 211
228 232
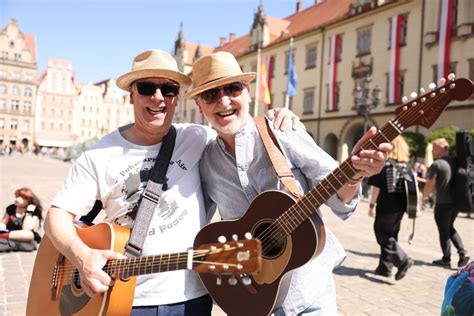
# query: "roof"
191 49
30 40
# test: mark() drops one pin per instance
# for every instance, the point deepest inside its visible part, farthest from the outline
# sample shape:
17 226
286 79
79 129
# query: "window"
3 89
364 40
2 123
14 124
401 84
26 126
27 106
3 74
403 31
15 90
451 70
28 92
3 104
308 101
15 105
311 53
271 66
16 75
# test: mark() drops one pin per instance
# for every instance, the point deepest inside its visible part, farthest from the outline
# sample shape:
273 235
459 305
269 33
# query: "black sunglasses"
149 88
232 90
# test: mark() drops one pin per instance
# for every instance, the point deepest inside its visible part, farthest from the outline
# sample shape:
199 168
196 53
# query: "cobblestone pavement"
359 291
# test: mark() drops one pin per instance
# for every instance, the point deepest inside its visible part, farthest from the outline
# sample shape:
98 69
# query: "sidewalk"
359 291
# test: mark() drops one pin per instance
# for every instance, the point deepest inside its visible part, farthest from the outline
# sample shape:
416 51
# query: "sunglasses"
149 88
232 90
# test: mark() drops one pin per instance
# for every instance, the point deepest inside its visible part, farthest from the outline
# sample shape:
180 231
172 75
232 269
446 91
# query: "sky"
101 37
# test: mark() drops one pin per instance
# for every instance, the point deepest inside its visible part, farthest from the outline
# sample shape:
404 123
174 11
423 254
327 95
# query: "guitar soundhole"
76 280
272 237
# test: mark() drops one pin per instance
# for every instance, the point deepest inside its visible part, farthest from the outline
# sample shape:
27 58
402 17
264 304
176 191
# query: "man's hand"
370 162
283 118
94 280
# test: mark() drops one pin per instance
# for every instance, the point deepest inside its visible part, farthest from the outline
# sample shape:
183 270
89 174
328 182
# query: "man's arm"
427 189
60 229
367 163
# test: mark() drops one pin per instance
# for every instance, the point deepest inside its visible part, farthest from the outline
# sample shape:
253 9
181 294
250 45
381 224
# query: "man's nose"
157 96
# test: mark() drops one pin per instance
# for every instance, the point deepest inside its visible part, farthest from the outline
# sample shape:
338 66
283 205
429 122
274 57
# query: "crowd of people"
224 167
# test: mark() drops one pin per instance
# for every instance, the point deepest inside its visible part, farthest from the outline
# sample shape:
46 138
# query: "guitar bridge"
56 277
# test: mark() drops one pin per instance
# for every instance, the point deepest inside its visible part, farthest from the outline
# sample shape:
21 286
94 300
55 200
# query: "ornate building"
17 86
339 44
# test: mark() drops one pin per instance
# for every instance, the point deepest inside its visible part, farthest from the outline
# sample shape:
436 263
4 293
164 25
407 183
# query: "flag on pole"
393 87
271 60
444 38
292 79
333 58
264 91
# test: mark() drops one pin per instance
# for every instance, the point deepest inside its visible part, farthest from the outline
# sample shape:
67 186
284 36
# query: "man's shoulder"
194 132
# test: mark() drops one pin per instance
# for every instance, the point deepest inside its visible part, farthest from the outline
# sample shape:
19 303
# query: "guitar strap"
277 157
156 184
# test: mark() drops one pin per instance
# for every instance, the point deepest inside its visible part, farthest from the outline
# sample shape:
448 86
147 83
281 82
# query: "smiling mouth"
156 111
226 113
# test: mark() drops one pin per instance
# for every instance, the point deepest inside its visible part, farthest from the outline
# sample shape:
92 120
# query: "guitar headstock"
426 109
239 256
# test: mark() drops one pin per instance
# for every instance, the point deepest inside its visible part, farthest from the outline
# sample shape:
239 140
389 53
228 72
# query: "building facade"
339 45
18 68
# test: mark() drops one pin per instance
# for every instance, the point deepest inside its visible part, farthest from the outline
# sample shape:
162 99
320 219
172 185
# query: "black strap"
89 217
151 195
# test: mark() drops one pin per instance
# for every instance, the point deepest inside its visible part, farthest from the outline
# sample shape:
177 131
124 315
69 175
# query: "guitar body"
412 196
70 299
280 255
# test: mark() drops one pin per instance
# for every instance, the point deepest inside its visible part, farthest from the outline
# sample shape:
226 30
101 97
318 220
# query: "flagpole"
257 83
287 98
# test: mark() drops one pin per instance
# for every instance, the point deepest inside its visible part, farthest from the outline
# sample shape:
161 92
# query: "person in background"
20 223
439 178
388 203
235 169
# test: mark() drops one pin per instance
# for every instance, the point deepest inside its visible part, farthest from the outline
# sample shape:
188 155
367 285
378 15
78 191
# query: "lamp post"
364 100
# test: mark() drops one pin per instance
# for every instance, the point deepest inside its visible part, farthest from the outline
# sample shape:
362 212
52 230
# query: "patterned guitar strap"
277 157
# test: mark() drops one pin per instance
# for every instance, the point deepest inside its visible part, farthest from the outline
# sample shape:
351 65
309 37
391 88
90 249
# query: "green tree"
446 132
416 142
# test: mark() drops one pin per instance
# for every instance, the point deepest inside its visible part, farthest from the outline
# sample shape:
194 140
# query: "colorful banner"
394 73
444 38
332 91
264 95
292 78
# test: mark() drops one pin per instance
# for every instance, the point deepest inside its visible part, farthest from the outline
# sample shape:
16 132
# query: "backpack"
462 173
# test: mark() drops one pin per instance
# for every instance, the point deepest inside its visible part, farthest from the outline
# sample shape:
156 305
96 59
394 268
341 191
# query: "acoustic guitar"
290 230
55 287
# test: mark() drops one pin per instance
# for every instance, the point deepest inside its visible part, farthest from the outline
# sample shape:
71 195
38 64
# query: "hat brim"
125 80
246 77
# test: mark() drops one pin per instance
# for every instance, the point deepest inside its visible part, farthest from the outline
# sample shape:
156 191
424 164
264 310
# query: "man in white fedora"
116 170
235 168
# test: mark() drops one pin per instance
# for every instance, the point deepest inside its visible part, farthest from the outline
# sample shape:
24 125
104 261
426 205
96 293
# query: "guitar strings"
273 236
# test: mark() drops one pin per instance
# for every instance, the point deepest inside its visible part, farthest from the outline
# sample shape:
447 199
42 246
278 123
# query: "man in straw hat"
115 171
445 213
235 169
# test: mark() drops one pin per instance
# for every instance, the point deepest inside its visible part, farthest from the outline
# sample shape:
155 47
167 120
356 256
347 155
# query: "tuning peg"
422 90
212 248
404 99
248 235
226 246
218 280
432 86
212 267
413 95
225 267
441 82
451 76
246 281
232 280
239 266
235 237
221 239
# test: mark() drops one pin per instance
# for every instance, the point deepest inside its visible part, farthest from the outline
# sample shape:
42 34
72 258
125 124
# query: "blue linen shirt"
232 183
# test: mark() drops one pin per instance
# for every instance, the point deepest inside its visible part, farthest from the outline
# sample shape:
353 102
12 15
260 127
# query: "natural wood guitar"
290 230
55 284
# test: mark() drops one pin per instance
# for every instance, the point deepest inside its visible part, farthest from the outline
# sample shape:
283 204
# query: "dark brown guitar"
55 287
290 230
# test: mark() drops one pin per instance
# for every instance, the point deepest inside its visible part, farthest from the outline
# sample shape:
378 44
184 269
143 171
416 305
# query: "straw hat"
154 63
216 70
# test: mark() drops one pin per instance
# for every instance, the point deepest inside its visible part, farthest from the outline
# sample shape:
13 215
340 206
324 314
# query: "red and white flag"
393 90
333 50
271 60
444 38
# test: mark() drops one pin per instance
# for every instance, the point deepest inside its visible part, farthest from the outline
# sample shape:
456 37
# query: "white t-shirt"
115 171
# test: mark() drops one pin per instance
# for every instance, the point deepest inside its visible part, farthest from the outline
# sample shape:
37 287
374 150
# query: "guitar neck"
148 264
327 187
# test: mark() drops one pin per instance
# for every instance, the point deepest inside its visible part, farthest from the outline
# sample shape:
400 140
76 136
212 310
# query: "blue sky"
101 37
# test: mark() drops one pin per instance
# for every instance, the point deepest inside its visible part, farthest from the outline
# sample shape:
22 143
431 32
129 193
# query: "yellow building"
17 87
358 36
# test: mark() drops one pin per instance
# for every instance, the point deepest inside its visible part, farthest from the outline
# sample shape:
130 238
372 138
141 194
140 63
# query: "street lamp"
363 102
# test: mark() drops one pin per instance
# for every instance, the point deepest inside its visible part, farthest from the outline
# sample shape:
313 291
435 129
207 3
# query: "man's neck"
142 138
